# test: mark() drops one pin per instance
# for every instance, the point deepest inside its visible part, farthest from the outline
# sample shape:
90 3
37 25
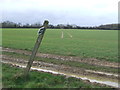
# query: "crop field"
66 58
100 44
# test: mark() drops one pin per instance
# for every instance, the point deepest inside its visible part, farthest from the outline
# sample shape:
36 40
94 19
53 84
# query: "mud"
85 78
104 78
91 61
64 68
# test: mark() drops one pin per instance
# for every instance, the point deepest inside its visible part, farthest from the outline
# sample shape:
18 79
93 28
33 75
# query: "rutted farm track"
92 61
90 75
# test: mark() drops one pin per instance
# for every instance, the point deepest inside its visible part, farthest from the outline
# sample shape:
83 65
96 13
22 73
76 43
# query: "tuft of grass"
39 80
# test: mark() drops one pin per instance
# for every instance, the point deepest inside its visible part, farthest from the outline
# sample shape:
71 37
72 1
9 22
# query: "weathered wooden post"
37 44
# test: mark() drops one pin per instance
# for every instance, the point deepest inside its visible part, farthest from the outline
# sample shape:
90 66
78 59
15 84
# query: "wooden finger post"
36 46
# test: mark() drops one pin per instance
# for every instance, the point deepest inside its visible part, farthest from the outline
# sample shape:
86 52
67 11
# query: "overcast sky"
79 12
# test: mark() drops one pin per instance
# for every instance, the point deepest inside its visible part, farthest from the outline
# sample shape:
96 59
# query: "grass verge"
12 78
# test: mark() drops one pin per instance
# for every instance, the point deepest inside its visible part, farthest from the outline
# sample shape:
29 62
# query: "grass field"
100 44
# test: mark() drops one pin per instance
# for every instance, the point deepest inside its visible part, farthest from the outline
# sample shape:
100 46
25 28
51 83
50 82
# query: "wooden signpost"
35 49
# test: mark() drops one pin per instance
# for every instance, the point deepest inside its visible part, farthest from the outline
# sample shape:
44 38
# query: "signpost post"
36 46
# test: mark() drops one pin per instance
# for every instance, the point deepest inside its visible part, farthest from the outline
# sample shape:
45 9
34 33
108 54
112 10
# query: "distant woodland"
9 24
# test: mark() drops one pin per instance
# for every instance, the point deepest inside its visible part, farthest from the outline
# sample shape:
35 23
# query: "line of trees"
9 24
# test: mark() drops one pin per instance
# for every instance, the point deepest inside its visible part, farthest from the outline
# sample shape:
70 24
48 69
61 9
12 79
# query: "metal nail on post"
36 46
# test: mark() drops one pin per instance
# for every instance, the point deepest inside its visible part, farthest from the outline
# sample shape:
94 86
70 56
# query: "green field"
100 44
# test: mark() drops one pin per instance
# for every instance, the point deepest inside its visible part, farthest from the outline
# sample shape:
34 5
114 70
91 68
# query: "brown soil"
91 61
63 68
85 81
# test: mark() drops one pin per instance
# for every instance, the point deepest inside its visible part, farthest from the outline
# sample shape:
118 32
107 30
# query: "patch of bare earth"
67 70
91 61
63 68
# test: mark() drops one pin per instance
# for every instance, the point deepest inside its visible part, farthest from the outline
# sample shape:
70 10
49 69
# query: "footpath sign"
36 46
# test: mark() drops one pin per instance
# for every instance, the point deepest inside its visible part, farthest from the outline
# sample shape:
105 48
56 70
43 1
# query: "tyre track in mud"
64 68
109 80
91 61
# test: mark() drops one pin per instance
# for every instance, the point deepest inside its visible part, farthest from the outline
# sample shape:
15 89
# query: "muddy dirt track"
91 61
112 79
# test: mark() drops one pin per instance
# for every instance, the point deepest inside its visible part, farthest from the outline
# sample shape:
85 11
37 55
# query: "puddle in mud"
97 72
109 83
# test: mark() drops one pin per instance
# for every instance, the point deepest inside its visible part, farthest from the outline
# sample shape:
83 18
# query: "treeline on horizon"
9 24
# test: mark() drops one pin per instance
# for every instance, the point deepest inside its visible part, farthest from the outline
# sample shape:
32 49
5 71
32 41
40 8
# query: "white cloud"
64 9
59 4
